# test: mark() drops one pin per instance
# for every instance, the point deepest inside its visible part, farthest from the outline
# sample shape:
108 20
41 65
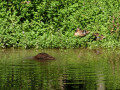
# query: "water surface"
73 69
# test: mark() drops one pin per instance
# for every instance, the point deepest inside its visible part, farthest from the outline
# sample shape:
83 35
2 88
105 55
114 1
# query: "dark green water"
73 69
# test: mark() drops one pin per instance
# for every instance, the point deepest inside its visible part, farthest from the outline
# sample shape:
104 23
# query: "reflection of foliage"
30 77
51 23
77 69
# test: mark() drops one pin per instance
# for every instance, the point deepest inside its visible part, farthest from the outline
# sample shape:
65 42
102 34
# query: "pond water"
73 69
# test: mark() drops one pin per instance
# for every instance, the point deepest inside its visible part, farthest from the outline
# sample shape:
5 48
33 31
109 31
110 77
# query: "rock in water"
43 56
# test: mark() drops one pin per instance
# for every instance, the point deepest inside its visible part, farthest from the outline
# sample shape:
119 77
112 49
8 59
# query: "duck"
80 33
26 2
98 36
43 56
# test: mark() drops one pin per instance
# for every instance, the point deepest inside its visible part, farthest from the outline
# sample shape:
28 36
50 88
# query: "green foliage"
51 23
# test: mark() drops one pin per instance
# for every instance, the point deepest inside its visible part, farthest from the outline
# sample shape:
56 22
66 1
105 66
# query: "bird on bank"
98 36
80 33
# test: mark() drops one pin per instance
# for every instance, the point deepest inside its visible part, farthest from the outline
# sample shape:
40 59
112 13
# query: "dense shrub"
52 23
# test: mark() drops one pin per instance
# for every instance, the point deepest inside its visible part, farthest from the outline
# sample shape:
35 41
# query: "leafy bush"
51 23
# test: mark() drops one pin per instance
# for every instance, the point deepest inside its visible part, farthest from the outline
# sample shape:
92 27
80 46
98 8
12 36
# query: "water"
73 69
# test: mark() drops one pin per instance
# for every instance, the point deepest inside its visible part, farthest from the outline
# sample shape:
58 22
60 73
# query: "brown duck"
81 33
98 36
43 56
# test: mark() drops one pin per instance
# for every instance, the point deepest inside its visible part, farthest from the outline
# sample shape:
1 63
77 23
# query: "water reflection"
73 69
100 81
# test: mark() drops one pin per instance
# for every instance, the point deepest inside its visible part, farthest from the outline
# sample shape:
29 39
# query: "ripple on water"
73 69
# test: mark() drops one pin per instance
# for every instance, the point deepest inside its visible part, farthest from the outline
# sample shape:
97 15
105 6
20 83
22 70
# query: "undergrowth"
51 23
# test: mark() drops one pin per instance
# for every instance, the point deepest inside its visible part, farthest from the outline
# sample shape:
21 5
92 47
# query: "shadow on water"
73 69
